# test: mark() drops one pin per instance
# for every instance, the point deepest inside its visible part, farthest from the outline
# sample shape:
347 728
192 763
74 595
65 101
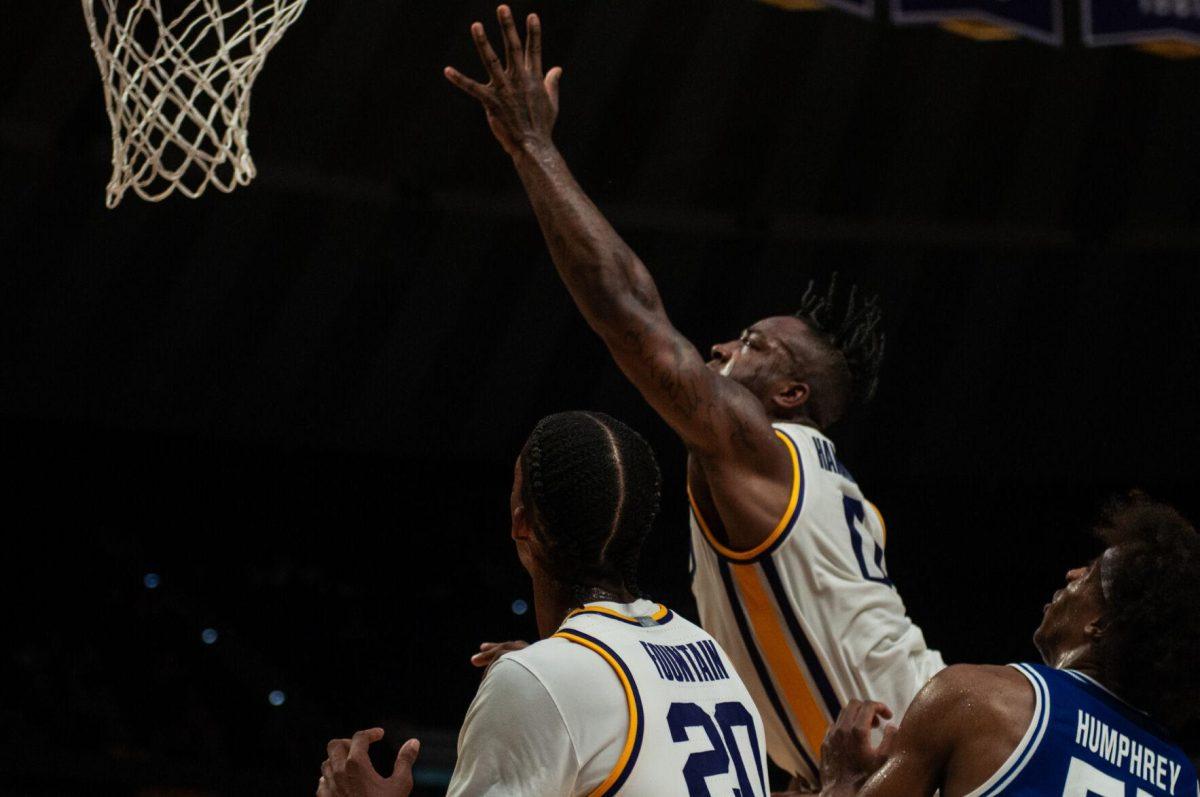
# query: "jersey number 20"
709 763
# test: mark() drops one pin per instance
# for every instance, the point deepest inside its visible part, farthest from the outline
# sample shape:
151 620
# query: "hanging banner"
1041 20
1171 27
862 8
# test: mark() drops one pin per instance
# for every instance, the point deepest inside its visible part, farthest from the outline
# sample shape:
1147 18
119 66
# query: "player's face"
1069 615
764 355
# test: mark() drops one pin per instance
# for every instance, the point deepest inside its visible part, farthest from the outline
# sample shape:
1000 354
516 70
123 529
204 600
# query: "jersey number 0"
855 514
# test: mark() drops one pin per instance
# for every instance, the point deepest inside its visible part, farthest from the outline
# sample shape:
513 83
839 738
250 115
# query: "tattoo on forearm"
618 297
676 382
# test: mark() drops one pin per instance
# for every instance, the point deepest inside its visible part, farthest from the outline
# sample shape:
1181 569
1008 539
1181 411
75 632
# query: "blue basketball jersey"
1084 741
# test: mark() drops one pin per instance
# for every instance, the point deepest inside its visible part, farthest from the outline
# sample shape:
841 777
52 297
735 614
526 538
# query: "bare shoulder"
977 692
972 677
973 716
978 679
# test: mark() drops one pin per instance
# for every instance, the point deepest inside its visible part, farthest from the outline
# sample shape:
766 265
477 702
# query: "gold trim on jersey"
658 615
630 701
780 529
882 522
783 665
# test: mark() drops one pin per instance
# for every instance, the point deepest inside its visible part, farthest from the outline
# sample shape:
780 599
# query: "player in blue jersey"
1104 717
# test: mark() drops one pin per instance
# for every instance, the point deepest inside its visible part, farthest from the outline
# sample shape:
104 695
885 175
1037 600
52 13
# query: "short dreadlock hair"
592 485
1151 651
853 338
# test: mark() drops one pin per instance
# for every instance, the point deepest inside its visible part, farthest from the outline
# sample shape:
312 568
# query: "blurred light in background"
209 635
150 580
519 606
276 697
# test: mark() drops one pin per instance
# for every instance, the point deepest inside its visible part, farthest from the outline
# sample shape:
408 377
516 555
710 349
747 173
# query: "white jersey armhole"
782 528
633 735
1029 743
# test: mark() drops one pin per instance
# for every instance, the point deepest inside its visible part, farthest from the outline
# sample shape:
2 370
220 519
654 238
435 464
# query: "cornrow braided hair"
853 328
593 486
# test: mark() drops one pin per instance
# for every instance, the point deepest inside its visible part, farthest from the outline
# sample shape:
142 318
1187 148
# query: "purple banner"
1138 21
1036 19
861 8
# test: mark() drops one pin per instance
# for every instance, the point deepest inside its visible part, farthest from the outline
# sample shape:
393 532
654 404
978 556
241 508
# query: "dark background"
299 404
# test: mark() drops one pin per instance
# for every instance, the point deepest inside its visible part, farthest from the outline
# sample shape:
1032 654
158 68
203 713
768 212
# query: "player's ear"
792 395
1096 629
521 530
527 544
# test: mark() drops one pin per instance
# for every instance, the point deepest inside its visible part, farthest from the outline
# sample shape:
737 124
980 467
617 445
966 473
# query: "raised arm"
718 419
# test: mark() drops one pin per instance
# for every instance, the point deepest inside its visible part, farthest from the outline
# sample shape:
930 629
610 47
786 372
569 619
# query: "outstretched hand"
848 756
348 771
521 102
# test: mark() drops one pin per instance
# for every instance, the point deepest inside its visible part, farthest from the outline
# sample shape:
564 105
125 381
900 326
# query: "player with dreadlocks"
790 574
597 706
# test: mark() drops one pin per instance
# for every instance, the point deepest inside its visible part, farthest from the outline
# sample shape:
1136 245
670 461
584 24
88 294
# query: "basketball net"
177 89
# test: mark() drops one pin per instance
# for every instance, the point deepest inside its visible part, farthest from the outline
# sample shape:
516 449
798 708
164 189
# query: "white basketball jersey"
693 727
810 617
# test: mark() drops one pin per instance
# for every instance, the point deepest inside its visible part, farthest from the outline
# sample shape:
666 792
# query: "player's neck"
553 601
1086 664
801 418
1080 658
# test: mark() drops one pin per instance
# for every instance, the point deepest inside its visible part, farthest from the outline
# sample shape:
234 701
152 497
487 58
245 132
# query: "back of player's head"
1150 650
851 341
592 487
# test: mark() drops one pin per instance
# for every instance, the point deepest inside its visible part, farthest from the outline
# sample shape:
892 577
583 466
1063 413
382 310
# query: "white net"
177 88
